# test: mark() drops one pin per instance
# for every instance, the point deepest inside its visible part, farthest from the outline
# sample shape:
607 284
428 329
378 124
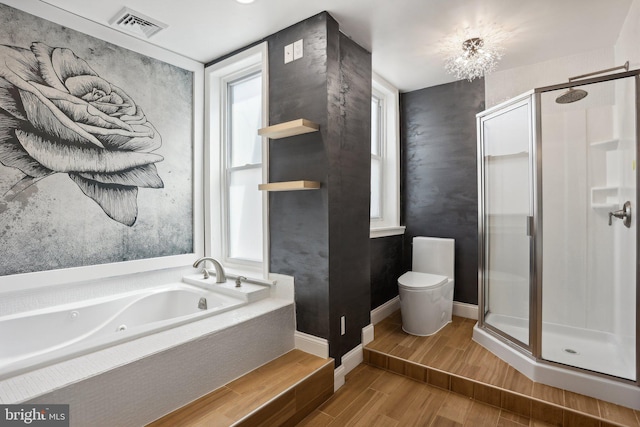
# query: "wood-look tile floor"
373 396
230 403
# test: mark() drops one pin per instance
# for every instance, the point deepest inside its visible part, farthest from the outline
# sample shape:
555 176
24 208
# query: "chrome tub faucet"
221 277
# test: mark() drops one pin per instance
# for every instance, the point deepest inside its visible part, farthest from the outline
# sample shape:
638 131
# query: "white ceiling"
403 35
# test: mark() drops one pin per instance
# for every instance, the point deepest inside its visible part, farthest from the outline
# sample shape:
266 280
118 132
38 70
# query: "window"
385 158
237 108
243 165
376 157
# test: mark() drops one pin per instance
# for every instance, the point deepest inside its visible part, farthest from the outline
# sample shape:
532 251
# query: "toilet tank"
433 255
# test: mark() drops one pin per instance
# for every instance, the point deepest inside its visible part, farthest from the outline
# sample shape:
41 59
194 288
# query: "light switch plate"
297 50
288 53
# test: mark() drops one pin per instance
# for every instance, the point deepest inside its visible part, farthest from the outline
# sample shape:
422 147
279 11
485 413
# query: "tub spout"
220 276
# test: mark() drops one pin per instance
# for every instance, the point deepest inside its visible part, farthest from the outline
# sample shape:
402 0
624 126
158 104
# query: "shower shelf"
605 197
507 155
611 144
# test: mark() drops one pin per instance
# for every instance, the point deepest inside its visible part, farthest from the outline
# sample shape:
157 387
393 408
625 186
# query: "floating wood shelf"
294 127
289 186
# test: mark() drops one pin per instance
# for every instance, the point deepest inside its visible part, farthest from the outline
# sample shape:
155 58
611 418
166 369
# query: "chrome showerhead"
572 95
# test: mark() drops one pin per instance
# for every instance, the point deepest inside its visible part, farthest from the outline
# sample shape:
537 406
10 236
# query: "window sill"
386 231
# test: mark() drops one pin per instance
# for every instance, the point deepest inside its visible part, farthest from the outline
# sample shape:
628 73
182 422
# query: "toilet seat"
416 280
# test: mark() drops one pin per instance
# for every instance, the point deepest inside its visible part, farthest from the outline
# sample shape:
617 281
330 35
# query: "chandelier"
469 57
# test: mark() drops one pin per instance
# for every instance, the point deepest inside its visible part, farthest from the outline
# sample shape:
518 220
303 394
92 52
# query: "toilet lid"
416 280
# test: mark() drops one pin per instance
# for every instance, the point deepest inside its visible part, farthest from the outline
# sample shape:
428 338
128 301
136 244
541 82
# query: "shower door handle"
624 214
530 226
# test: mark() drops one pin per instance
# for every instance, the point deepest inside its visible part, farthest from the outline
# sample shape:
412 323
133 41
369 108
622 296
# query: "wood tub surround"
282 392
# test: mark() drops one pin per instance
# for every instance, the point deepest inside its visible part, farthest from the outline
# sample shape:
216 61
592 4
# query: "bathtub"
41 337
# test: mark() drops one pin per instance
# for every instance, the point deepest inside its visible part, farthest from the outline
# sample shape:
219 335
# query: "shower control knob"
624 214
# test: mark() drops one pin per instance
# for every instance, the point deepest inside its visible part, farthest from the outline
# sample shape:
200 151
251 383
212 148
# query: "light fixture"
471 54
245 1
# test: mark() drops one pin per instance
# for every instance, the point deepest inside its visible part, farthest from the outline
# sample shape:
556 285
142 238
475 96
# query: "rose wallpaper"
96 150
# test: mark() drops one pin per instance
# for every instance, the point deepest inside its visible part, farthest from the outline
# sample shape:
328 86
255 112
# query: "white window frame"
389 222
217 76
380 124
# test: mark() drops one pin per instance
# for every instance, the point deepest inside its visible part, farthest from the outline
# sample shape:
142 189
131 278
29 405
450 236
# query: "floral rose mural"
57 115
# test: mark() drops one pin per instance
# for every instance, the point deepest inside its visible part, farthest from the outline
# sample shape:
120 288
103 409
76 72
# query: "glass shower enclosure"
558 233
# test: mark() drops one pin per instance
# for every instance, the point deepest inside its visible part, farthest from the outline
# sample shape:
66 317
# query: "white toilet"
426 292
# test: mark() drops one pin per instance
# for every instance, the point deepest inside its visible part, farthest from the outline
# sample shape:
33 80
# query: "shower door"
505 181
588 251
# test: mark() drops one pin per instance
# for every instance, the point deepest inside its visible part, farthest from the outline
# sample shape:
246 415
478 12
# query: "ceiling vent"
136 23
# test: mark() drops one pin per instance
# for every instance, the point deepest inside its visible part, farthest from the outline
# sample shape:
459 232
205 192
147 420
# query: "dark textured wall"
386 266
298 220
349 152
440 192
321 237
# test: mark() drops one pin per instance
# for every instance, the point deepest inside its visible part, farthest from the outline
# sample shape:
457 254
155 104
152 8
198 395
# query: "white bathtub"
36 338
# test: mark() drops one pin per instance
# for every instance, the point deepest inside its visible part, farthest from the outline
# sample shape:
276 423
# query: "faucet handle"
239 281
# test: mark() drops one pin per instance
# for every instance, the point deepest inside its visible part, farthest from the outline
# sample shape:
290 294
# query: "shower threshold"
583 348
577 381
